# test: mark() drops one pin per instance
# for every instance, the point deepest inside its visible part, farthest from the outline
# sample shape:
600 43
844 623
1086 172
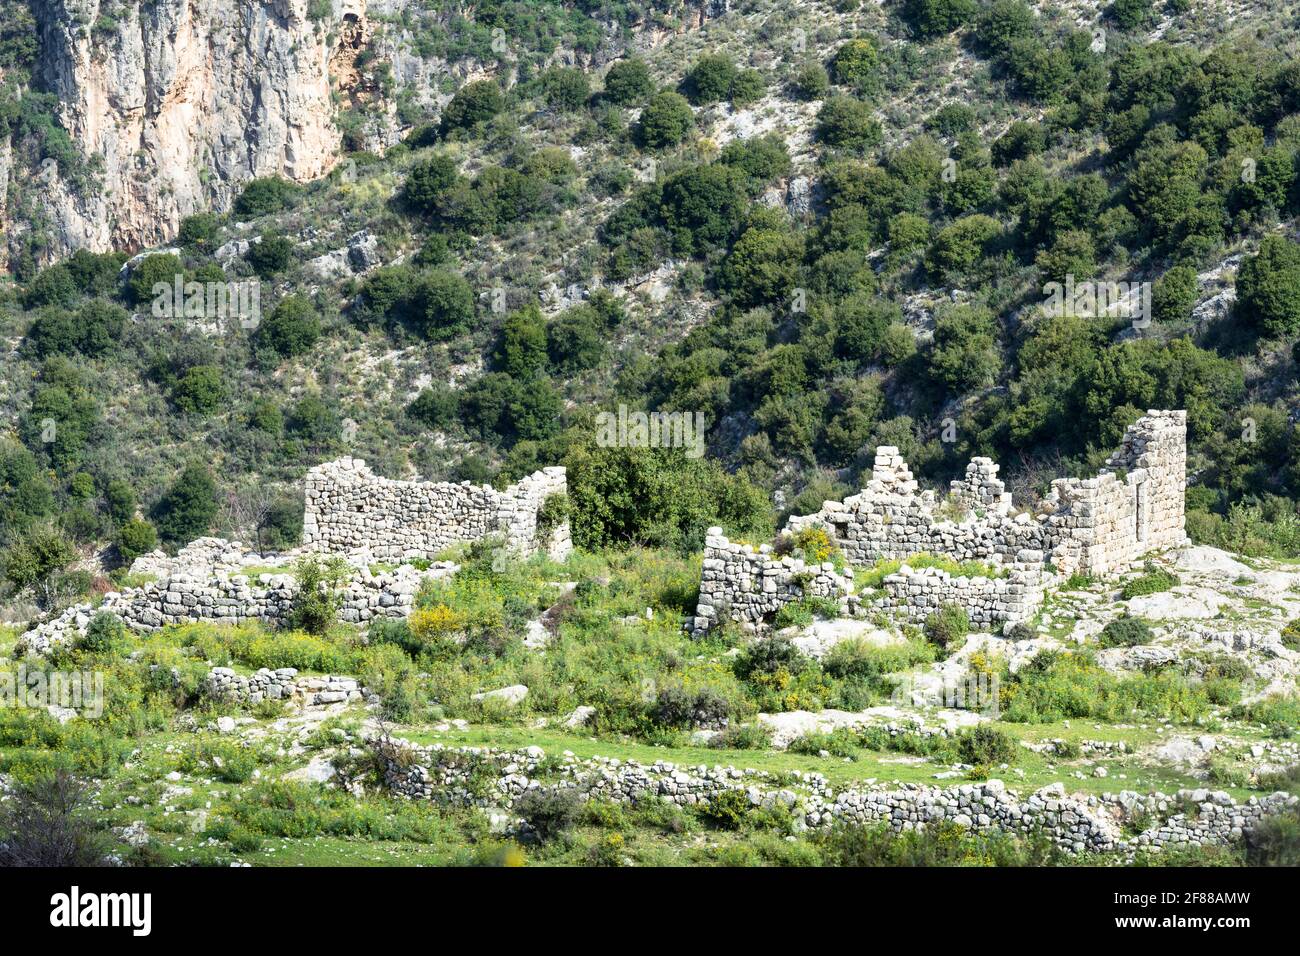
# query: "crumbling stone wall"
1136 504
204 587
1093 525
349 508
485 777
748 585
223 683
915 594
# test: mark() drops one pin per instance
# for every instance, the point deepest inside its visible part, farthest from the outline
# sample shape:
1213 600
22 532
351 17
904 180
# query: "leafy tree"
762 267
444 306
134 538
200 391
747 88
435 407
965 353
265 196
701 206
292 328
934 18
522 349
665 121
119 500
1268 287
1174 294
627 496
958 247
575 341
811 81
199 231
270 256
565 88
856 64
847 123
1020 141
710 79
428 181
473 103
93 330
51 286
150 271
35 559
628 82
187 509
1132 14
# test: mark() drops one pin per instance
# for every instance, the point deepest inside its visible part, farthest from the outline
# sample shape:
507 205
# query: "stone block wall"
748 585
1133 506
224 594
282 684
1095 525
914 594
349 508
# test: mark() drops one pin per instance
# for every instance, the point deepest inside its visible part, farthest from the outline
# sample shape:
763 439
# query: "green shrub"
727 810
946 626
265 196
551 812
665 121
986 746
1126 632
628 81
1151 582
104 633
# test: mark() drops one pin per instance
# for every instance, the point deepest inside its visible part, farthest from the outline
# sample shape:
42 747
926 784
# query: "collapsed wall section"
349 508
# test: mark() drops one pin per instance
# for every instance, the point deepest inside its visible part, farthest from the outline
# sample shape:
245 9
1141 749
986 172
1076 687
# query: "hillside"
242 240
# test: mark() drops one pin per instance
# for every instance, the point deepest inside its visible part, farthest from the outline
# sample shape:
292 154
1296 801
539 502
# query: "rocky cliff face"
176 103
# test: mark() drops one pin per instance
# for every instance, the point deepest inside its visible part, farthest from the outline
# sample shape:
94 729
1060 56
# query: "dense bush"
1126 632
947 626
665 121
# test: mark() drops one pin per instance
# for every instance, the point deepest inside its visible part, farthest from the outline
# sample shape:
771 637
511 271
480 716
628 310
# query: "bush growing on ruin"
946 626
550 812
104 633
318 599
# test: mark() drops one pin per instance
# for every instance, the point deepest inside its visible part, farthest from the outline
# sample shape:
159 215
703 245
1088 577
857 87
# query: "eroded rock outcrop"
176 103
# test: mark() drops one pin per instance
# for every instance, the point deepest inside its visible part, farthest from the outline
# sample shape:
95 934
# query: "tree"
1268 287
150 271
934 18
1132 14
856 64
428 180
965 351
710 79
565 88
187 509
134 538
958 247
199 231
265 196
811 81
575 341
474 103
292 328
436 407
270 256
445 306
762 267
628 81
200 391
847 123
34 561
1174 294
119 500
522 349
665 121
48 820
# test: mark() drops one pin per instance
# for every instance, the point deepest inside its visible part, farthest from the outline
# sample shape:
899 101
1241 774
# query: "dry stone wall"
490 778
1092 525
350 509
208 580
748 585
284 684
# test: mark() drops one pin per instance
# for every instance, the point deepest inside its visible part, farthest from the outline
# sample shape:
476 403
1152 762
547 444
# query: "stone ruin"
349 512
1093 526
350 509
